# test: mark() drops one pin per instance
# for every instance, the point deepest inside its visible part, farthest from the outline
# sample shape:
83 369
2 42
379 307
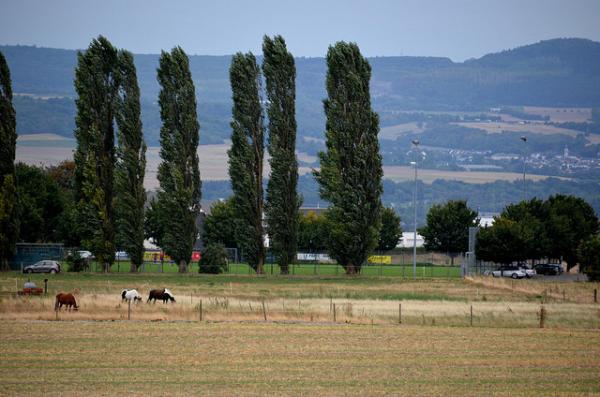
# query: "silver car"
45 266
509 271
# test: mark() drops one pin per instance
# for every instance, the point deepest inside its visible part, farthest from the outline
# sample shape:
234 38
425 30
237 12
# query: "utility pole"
415 143
524 139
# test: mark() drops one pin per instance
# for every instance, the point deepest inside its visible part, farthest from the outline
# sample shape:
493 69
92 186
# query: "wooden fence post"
595 295
471 315
129 309
264 310
399 313
200 309
334 318
542 316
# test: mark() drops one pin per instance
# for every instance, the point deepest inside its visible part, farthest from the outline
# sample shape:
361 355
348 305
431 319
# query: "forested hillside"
554 73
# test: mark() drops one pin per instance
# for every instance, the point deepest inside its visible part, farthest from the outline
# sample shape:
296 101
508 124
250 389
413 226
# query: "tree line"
107 205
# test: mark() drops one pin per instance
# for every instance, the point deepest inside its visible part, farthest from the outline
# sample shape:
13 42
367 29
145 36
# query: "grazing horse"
65 299
130 295
165 295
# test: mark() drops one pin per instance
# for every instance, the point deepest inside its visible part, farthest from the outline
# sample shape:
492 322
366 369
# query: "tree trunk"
350 269
133 268
259 266
182 266
106 267
284 269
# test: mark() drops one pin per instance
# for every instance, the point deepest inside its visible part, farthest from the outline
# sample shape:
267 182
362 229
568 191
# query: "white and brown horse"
130 295
164 295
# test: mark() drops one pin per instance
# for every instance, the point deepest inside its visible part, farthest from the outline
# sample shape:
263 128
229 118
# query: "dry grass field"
252 359
302 348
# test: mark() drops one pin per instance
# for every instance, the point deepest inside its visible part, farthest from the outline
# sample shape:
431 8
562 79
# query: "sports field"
301 335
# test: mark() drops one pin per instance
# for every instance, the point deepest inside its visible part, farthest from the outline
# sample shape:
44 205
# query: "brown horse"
65 299
164 295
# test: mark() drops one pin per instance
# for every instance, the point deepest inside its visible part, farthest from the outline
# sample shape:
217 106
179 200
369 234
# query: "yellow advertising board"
154 256
385 259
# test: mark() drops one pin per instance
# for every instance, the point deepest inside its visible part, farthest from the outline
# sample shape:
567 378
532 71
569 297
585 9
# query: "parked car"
509 271
43 267
552 269
85 254
528 271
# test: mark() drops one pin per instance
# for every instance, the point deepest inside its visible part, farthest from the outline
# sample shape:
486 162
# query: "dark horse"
164 295
65 299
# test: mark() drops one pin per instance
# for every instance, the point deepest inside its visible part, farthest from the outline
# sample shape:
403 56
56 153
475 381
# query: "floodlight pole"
524 139
415 142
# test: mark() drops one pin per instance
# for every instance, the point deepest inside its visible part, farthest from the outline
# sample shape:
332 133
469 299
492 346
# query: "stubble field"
303 348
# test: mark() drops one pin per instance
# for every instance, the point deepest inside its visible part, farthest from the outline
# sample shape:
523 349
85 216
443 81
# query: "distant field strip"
213 166
533 127
252 359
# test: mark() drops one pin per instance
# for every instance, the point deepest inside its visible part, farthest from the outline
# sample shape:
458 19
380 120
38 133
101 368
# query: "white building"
408 240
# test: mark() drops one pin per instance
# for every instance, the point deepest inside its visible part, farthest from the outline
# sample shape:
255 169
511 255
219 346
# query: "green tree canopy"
213 260
178 173
589 257
391 231
282 202
501 243
97 84
220 225
351 172
41 204
9 219
447 227
246 157
570 221
131 164
313 233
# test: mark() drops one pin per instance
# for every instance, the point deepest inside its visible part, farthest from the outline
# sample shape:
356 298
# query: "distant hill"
559 72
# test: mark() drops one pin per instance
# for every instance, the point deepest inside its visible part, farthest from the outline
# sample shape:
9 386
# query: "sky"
458 29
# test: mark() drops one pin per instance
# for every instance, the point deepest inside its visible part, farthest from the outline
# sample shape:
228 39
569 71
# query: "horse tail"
56 302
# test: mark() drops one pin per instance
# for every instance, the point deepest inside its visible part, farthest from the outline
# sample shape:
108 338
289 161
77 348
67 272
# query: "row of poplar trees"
9 219
109 175
350 174
109 178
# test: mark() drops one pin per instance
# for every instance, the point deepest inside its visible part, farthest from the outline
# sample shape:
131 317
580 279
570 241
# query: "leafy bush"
589 258
75 262
213 260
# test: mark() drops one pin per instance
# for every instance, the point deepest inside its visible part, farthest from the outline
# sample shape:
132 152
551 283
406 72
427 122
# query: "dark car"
551 269
43 267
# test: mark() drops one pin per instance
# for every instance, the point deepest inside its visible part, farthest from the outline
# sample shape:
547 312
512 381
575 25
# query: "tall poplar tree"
246 157
96 83
131 164
9 221
282 201
178 173
350 174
